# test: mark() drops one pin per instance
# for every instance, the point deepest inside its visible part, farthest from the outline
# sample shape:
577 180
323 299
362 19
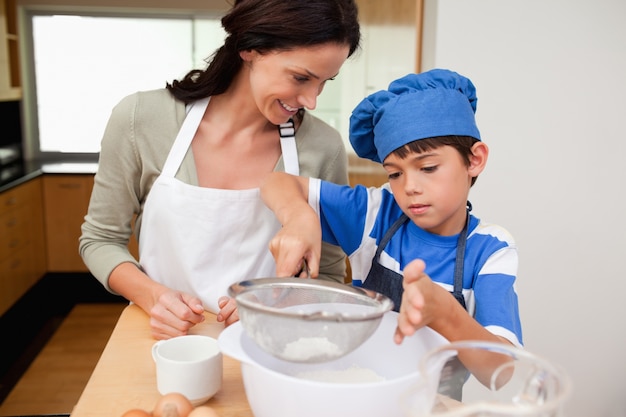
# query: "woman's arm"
172 313
124 177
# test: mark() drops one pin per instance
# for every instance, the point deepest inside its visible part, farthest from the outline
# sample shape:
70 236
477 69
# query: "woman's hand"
174 314
228 311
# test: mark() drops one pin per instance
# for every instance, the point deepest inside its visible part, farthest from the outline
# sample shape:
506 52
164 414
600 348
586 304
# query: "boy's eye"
301 78
393 175
432 168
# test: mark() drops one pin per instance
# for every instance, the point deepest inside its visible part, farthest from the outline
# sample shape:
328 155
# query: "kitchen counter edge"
31 170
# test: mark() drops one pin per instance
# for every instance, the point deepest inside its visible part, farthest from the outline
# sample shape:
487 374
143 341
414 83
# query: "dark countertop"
16 174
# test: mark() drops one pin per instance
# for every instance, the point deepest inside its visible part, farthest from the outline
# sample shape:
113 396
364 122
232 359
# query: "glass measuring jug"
503 381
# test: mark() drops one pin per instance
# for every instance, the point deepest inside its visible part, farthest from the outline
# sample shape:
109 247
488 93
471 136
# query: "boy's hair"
463 145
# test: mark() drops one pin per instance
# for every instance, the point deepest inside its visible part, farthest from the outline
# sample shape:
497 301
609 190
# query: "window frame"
30 133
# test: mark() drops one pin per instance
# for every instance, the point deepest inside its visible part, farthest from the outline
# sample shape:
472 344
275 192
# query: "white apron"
201 240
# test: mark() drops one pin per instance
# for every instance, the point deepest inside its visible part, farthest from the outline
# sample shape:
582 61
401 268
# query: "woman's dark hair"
269 25
463 145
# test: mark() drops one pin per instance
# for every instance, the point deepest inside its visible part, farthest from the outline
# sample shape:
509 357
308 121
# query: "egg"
203 411
173 404
136 412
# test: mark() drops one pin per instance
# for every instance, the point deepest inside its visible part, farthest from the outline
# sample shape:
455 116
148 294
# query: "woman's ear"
478 158
247 55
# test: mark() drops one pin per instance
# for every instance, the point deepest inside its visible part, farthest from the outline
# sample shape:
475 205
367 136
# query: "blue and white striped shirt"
357 218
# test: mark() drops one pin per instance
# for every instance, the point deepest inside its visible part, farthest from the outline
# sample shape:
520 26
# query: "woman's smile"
287 107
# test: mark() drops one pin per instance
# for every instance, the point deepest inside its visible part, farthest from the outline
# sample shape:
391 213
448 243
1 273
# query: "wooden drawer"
11 271
22 255
14 231
18 274
18 196
21 218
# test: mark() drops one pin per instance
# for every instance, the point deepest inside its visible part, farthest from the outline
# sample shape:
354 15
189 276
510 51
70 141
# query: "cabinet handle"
70 186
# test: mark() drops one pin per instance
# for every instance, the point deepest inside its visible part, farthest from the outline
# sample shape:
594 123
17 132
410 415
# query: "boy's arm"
301 235
425 303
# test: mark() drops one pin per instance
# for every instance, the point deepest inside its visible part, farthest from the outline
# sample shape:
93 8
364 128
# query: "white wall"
551 84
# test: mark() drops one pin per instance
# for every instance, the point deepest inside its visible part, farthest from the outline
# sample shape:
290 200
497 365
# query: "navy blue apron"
389 283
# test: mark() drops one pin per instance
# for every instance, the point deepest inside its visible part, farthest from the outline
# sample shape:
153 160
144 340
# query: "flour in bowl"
354 374
307 348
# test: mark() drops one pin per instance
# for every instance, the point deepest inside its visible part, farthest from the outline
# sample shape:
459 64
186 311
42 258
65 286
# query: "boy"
459 272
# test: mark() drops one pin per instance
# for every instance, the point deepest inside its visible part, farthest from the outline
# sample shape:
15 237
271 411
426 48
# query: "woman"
188 161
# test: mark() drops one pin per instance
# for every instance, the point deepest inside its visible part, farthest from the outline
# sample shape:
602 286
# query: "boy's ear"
478 158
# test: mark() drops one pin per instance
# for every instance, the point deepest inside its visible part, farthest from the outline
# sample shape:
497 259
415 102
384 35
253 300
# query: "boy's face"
432 188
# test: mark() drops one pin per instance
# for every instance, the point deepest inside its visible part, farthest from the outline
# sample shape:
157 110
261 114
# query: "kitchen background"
549 75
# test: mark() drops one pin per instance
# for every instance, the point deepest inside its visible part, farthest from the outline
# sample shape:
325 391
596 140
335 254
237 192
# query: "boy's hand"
413 313
298 240
301 235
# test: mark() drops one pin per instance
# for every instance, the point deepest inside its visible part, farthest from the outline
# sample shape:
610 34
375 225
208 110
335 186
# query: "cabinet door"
22 255
66 199
365 172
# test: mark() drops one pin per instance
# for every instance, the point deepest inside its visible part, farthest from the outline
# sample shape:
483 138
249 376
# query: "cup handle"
154 349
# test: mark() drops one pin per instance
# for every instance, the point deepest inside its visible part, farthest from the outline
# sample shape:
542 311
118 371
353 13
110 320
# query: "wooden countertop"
125 376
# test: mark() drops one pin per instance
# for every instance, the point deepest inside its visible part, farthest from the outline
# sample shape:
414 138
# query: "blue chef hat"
417 106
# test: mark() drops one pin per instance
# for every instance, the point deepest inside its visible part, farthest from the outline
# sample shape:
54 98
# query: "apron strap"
460 260
185 135
457 292
287 132
388 234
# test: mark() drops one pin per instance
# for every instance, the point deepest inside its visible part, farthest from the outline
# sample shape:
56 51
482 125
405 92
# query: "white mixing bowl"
276 388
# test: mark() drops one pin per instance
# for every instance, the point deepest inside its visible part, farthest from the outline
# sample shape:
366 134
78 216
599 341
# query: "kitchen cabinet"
22 246
66 200
9 60
362 171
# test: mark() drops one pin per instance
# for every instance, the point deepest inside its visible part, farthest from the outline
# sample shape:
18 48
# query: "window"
83 65
79 65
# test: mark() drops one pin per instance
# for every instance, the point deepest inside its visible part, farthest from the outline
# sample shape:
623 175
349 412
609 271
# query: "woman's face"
282 82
